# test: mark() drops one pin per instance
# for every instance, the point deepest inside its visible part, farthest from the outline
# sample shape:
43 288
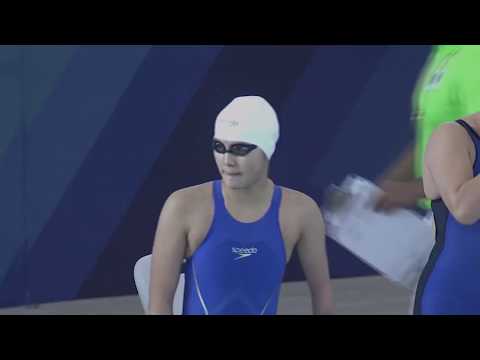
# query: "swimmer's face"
241 165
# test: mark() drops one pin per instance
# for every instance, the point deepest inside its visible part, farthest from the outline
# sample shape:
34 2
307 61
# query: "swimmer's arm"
448 160
313 257
167 255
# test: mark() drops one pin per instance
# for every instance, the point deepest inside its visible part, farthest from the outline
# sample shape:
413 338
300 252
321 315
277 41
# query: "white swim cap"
249 119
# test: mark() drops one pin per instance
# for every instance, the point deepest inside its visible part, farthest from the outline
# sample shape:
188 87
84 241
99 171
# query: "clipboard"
397 244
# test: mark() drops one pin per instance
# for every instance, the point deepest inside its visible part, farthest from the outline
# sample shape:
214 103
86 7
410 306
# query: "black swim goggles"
237 149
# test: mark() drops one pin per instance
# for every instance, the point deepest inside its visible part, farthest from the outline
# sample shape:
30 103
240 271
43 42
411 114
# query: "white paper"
397 244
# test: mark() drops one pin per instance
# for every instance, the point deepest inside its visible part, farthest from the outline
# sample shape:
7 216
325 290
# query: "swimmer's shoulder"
298 212
192 200
298 204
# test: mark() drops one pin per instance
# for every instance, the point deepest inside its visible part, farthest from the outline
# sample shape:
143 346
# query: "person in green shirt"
447 90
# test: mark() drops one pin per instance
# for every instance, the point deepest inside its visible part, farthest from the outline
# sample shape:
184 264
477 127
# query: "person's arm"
450 163
313 257
400 187
167 255
399 194
402 168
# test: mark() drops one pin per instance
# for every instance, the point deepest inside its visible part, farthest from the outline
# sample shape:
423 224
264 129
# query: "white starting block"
142 282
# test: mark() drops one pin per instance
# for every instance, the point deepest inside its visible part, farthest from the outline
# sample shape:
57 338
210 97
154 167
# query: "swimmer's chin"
233 182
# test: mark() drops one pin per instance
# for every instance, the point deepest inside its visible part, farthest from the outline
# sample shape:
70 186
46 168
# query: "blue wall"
94 138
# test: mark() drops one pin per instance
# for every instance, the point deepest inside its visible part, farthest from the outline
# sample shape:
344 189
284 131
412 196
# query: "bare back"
460 138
